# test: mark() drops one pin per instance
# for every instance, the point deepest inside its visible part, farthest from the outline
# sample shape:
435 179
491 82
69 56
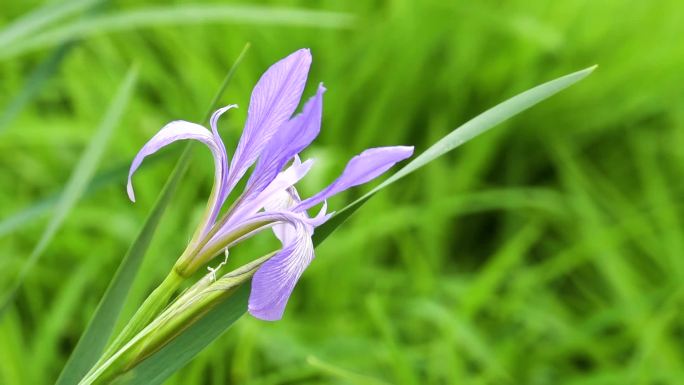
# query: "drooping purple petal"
222 188
361 169
273 100
290 139
178 130
274 281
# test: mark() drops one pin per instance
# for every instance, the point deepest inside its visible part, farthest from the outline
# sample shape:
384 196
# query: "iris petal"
222 188
291 138
273 100
361 169
275 280
174 131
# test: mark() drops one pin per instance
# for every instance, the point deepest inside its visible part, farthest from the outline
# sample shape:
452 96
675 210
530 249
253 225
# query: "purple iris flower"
271 141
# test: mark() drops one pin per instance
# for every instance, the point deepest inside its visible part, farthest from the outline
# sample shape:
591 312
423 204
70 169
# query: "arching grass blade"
469 130
181 15
78 180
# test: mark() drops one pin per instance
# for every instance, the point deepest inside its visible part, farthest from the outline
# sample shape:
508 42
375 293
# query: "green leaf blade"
487 120
78 181
90 342
99 330
461 135
180 15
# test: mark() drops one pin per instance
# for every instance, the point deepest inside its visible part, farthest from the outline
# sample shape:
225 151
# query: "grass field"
548 251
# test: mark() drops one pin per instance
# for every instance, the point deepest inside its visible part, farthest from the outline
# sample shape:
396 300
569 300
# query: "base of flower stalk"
174 320
187 266
150 308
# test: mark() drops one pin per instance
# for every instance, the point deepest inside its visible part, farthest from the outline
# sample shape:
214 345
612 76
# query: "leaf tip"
587 71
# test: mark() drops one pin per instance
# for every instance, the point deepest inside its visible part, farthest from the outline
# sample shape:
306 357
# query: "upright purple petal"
178 130
274 99
290 139
273 283
361 169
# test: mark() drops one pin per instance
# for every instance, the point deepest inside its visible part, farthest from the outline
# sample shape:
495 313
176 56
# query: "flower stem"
150 308
187 309
187 266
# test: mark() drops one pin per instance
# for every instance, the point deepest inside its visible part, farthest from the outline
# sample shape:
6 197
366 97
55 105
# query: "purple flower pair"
272 139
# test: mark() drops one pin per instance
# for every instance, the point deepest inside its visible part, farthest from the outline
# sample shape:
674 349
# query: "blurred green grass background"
548 251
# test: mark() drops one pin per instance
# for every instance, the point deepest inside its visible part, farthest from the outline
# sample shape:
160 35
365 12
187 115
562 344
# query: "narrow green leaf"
459 136
99 330
97 333
78 180
161 365
180 15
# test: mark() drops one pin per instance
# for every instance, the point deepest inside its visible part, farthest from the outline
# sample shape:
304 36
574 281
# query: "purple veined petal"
275 280
280 195
286 233
249 227
177 130
284 200
223 191
283 181
246 212
274 98
361 169
291 138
